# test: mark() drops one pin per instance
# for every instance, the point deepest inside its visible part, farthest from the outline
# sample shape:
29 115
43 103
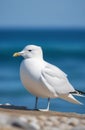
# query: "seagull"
43 79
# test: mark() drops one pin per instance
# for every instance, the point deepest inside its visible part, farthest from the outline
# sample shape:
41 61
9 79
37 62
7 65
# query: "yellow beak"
16 54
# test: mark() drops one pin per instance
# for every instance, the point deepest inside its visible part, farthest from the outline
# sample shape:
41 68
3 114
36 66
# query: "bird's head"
30 51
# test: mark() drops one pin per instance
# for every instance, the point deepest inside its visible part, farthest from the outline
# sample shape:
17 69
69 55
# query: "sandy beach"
20 118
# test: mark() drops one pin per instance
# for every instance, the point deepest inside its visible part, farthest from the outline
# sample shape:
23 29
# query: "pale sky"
42 13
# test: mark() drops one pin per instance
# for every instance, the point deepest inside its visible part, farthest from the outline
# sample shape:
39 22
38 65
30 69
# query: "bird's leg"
48 104
47 109
36 102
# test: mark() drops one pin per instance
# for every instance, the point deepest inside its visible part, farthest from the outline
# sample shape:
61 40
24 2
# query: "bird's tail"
70 98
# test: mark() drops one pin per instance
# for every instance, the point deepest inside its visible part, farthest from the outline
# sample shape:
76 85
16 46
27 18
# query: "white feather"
56 79
70 98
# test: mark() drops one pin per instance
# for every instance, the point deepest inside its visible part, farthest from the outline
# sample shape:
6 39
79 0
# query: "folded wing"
57 80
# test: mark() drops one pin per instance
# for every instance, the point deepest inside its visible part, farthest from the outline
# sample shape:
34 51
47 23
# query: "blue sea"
63 48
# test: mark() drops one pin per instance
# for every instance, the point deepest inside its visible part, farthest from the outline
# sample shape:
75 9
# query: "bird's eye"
29 50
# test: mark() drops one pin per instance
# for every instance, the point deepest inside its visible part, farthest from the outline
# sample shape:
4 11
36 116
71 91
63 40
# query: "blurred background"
56 25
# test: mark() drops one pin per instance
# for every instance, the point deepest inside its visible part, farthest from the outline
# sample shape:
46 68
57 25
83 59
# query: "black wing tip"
80 92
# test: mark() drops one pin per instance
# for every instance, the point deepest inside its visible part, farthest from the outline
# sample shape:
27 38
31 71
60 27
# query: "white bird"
43 79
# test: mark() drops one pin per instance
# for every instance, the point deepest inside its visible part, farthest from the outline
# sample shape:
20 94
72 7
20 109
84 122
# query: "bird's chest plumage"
31 68
30 71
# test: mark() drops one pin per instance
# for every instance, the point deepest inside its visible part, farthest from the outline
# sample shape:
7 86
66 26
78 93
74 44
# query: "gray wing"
55 80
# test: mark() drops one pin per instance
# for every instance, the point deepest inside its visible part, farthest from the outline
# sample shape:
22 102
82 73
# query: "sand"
20 118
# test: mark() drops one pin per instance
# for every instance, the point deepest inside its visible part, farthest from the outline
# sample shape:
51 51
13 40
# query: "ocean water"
63 48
